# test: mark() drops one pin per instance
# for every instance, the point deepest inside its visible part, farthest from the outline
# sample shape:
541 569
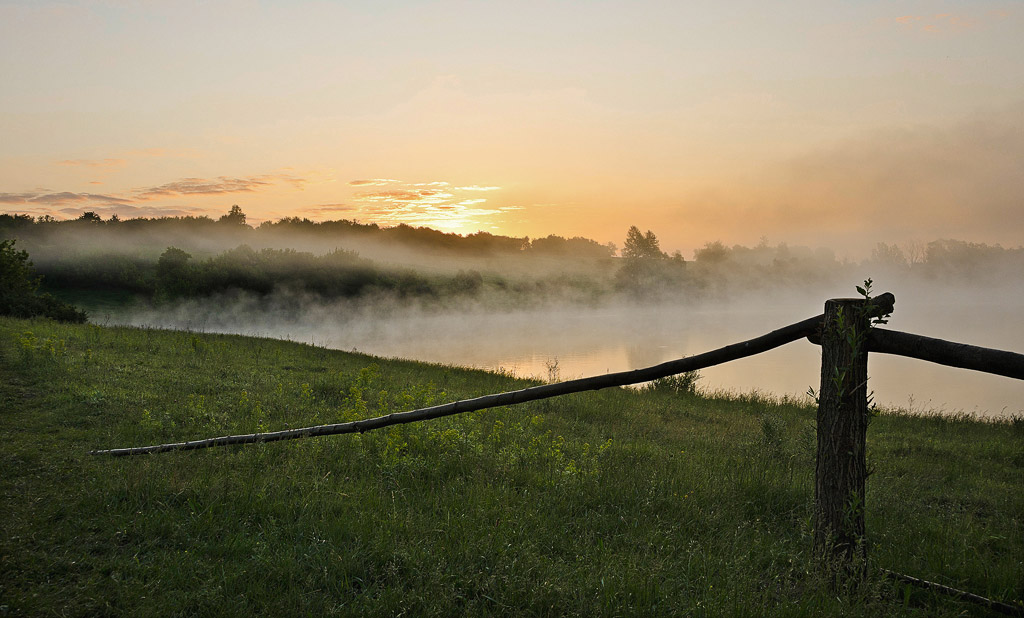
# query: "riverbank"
614 502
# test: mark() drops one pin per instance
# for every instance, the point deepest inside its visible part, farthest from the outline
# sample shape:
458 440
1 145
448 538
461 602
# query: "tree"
712 252
235 216
646 269
18 290
173 275
642 246
889 255
17 281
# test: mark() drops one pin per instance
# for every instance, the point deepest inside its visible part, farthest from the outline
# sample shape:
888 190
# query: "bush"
679 384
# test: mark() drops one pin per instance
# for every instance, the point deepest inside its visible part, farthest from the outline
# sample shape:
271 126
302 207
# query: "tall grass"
664 501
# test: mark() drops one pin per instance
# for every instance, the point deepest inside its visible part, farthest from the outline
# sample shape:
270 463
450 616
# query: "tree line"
85 254
233 226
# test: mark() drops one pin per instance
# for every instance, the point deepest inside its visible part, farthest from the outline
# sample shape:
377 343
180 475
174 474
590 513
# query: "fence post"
841 467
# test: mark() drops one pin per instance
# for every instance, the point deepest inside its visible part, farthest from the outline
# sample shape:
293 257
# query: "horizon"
811 125
912 251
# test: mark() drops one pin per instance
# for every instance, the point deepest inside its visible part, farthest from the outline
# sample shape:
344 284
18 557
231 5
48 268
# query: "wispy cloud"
372 182
132 203
16 198
201 186
425 196
327 208
216 186
124 211
132 212
436 203
60 198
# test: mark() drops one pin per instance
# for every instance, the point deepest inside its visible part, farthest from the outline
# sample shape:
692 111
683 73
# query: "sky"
838 124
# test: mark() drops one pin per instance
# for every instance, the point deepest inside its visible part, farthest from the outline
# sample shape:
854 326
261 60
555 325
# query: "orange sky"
820 124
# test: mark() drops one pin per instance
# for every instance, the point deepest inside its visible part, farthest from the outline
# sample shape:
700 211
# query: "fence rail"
751 347
949 353
732 352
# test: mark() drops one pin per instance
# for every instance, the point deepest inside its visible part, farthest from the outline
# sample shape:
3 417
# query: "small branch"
1002 608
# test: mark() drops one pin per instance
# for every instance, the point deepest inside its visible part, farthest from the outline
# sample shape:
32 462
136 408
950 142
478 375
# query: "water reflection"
594 341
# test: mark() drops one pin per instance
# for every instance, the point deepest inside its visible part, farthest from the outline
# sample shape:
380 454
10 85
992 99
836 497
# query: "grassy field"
615 503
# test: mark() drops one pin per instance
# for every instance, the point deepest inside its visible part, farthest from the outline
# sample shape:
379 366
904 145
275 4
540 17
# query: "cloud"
331 208
59 199
106 211
150 201
16 198
133 212
431 196
372 182
201 186
217 186
437 204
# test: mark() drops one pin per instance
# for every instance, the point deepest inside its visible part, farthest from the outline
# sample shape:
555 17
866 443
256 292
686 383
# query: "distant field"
617 502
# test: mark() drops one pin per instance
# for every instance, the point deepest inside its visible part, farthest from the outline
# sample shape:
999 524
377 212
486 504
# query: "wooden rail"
949 353
732 352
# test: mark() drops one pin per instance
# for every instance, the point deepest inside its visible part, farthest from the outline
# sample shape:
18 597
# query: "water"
571 343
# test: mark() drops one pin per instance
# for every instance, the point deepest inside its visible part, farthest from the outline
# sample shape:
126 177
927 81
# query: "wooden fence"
846 332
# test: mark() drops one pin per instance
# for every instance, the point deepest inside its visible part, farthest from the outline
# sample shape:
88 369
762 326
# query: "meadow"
664 501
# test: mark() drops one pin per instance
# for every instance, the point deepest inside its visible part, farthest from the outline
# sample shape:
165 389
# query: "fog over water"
577 341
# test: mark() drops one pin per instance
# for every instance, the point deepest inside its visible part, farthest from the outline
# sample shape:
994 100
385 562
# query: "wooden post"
841 468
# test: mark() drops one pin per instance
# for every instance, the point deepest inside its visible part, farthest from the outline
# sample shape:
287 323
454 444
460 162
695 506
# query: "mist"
549 308
557 340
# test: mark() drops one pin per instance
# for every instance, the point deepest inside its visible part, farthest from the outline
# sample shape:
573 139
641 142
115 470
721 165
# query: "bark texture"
842 428
949 353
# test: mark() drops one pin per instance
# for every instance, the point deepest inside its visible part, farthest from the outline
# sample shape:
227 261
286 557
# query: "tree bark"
841 468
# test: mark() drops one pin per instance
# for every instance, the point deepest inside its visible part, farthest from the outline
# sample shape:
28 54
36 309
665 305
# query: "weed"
679 384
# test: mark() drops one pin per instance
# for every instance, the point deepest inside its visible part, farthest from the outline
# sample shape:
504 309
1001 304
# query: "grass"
618 502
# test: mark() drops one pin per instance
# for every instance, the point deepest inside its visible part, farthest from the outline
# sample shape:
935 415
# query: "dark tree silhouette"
18 290
235 216
173 273
642 246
